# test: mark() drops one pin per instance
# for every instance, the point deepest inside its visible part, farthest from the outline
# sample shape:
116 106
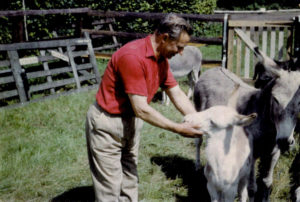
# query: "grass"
43 156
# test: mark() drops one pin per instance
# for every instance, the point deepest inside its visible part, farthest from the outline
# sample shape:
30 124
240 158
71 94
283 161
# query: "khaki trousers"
112 144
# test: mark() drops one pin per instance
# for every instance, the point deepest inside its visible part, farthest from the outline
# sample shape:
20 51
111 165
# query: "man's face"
171 47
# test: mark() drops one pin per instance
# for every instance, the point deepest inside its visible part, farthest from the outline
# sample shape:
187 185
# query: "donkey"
227 151
262 77
277 106
186 64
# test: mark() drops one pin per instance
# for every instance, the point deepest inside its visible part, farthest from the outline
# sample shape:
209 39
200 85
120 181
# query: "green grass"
43 155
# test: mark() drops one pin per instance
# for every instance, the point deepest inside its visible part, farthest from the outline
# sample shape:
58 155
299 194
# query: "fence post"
224 45
92 57
73 66
296 36
17 70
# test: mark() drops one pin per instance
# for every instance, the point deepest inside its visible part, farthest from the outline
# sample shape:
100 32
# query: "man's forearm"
181 101
150 115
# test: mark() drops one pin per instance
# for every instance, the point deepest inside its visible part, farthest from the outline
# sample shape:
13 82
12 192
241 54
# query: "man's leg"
104 151
129 160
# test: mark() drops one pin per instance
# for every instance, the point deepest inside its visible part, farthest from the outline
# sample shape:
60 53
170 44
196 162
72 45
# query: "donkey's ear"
244 120
269 64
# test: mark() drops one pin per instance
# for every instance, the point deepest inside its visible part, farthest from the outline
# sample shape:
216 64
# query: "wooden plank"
238 56
85 66
84 73
37 74
280 44
8 93
46 68
259 23
54 84
59 55
245 37
230 48
58 83
36 59
289 41
273 43
92 57
73 66
87 77
114 37
257 36
255 40
29 60
264 40
17 70
4 63
44 12
80 53
276 18
43 44
7 79
247 58
5 71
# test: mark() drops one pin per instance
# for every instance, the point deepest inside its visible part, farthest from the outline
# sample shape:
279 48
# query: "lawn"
43 156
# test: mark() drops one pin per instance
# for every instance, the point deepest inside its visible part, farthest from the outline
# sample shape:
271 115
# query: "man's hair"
173 25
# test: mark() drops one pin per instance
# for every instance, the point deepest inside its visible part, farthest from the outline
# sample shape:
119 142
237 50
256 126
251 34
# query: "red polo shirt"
133 69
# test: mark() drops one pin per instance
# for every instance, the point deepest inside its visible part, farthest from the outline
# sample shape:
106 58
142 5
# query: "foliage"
42 27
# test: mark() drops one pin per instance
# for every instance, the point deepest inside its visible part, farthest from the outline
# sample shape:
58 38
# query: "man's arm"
150 115
180 100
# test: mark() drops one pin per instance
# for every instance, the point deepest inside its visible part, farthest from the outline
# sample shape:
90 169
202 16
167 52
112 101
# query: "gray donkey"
276 104
186 64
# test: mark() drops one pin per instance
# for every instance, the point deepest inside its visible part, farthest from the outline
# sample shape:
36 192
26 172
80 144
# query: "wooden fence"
273 36
69 64
63 62
110 17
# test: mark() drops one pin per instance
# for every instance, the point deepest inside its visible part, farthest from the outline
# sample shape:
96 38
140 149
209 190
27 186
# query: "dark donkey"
277 105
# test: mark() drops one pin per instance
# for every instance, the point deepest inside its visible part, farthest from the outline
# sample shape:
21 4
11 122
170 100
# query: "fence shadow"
175 166
78 194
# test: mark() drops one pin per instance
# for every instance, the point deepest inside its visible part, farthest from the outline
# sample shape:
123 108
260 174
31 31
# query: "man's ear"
165 37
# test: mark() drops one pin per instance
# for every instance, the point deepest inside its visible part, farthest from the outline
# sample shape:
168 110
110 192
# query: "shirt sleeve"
132 74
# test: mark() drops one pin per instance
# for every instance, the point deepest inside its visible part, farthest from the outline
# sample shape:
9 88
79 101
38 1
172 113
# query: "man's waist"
125 114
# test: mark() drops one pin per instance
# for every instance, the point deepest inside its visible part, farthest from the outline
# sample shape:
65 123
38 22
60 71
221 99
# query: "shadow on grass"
78 194
295 176
195 181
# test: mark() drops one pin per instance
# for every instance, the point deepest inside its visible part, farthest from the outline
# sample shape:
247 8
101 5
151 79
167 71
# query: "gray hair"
173 25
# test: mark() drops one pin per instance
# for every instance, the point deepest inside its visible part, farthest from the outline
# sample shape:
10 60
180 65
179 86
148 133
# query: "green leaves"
42 27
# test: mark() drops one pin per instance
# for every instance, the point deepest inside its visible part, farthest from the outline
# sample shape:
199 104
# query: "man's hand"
189 130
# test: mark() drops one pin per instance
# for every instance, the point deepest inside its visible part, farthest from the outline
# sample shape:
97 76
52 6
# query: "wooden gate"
273 37
34 70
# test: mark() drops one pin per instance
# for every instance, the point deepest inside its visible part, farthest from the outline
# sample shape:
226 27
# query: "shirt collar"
149 48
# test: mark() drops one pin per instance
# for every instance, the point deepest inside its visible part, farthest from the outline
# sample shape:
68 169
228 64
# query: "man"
114 121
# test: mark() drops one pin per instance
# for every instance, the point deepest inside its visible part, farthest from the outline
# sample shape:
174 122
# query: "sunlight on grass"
43 154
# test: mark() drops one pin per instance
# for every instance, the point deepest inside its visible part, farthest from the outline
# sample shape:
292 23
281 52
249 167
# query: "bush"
42 27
